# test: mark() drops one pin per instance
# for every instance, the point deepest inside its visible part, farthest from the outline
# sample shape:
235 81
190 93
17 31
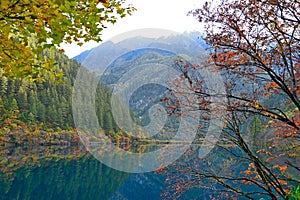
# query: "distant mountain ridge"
99 58
81 57
112 61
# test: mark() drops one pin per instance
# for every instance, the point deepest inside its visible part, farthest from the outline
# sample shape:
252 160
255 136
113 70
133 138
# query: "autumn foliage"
255 45
28 27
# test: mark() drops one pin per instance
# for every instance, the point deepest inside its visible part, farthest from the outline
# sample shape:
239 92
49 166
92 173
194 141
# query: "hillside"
28 106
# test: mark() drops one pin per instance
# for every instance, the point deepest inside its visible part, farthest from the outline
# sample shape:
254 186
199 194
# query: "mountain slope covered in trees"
27 105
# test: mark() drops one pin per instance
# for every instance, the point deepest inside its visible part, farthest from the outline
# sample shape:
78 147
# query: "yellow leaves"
40 23
257 53
4 4
256 104
267 114
47 23
41 1
28 68
293 155
61 50
38 30
105 3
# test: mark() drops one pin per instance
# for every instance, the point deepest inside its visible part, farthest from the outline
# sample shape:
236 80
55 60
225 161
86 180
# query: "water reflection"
72 173
69 173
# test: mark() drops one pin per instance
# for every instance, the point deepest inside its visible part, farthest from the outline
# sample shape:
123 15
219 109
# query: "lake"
72 172
56 172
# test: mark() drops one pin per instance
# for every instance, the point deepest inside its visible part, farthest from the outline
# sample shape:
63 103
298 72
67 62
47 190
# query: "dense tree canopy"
28 107
27 27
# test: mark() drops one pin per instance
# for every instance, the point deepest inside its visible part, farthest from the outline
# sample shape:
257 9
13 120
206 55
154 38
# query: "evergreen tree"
50 102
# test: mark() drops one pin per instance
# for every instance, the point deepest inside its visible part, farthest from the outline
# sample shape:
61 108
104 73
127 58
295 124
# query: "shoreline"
25 137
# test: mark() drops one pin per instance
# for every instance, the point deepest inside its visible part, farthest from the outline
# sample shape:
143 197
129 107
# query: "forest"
28 106
237 89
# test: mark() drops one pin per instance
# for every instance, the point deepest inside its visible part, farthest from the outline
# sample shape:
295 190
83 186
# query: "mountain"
81 57
99 58
132 59
47 104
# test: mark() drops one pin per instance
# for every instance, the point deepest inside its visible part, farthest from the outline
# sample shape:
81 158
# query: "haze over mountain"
99 58
112 61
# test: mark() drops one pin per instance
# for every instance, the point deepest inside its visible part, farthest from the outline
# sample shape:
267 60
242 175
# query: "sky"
165 14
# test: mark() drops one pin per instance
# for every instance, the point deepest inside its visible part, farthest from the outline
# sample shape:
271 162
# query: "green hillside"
27 106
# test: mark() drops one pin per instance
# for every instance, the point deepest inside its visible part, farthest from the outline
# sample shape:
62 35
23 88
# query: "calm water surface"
72 173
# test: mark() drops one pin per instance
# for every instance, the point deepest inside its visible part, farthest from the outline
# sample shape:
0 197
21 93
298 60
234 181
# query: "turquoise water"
72 173
69 173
